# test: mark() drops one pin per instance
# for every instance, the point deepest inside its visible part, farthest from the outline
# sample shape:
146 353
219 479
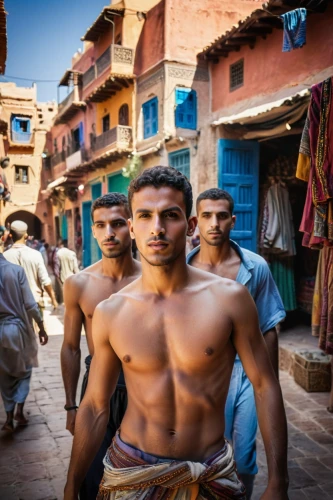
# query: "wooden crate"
312 370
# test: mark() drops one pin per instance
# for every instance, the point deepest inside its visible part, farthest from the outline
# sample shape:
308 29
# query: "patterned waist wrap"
128 475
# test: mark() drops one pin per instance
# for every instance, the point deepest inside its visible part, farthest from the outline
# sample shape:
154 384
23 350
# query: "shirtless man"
220 255
82 293
177 346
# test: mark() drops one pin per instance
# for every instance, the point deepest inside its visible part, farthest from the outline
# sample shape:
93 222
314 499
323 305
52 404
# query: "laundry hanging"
294 29
315 165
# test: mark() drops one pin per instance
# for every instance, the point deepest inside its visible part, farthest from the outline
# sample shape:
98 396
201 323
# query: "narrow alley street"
34 460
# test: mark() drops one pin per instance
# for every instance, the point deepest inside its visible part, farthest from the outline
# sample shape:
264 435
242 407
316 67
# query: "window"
106 123
123 115
150 118
21 175
21 129
186 108
181 161
237 75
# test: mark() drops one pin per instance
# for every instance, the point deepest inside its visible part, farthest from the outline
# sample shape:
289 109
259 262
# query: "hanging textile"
277 231
282 269
277 242
322 308
294 29
316 150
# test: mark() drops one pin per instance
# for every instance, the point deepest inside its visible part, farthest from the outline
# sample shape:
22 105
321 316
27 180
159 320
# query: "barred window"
237 75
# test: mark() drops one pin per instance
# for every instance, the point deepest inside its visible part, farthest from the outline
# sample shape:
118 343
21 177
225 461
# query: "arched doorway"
34 224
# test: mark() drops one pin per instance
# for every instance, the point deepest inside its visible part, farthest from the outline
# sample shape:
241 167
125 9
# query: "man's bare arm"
93 414
253 353
272 344
70 350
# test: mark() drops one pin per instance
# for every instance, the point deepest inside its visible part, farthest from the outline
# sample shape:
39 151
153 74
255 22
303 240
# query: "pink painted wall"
150 47
178 33
189 29
267 69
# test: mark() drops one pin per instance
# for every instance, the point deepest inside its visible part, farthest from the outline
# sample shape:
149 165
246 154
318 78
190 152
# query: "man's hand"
43 337
70 422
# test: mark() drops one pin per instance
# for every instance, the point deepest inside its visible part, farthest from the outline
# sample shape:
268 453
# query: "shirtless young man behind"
82 293
175 331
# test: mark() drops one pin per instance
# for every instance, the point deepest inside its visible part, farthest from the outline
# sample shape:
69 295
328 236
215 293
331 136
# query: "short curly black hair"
216 194
110 200
162 176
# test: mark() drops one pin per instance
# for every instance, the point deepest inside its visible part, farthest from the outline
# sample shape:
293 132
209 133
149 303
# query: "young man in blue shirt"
220 255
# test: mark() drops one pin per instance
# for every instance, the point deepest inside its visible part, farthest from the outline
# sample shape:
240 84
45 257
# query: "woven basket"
314 375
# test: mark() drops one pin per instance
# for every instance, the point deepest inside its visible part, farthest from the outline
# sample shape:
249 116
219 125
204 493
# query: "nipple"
90 316
209 351
127 358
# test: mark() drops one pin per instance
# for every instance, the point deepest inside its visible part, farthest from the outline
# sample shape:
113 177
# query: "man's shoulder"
257 261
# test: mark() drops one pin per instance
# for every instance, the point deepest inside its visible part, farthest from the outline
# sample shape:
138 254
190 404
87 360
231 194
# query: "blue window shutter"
186 109
154 116
238 168
81 134
181 161
150 118
15 124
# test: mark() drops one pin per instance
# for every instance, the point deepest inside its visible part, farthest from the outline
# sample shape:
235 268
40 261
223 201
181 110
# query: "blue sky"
42 38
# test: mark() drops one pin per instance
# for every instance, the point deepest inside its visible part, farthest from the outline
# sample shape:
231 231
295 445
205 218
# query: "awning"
56 183
101 25
248 115
281 116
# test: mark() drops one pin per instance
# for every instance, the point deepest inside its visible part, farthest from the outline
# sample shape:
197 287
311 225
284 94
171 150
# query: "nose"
109 231
214 222
157 226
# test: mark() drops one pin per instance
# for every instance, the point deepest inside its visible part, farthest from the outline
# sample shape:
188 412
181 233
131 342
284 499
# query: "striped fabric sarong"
132 474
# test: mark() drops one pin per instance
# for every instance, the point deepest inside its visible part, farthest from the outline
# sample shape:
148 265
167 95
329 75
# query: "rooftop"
259 23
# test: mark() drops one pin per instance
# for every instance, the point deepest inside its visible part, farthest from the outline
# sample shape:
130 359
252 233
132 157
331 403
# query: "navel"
209 351
172 432
127 358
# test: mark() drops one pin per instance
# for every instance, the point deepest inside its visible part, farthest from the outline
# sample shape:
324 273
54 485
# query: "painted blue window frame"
181 160
150 117
18 135
186 108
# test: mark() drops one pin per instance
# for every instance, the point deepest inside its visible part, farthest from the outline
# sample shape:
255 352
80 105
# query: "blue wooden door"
64 227
96 254
238 169
118 184
86 233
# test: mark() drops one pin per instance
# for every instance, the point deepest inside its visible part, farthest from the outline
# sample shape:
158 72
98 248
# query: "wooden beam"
249 40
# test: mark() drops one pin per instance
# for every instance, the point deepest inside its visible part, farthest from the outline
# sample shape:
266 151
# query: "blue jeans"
241 420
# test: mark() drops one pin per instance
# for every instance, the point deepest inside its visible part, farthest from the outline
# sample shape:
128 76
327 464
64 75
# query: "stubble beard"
114 254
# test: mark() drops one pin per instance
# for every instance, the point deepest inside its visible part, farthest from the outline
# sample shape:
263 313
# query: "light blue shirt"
255 274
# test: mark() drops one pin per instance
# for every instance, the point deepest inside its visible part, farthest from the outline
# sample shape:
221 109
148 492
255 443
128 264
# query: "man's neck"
22 241
165 280
214 255
119 267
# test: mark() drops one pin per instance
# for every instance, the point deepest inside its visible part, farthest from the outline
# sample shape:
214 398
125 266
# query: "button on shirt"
255 274
32 262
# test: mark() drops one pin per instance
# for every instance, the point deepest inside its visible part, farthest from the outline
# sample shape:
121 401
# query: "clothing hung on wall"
322 308
315 166
277 242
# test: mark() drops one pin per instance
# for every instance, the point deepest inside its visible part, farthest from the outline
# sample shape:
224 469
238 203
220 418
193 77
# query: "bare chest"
185 335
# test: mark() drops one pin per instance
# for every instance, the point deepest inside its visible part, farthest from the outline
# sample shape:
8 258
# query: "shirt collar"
244 273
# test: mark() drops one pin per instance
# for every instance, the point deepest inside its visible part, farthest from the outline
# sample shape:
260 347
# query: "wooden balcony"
119 137
112 71
68 108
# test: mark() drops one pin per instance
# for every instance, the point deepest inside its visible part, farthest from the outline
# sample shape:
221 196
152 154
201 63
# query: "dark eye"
143 216
171 215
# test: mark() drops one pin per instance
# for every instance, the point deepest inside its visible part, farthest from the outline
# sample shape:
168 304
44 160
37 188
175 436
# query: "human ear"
130 227
191 225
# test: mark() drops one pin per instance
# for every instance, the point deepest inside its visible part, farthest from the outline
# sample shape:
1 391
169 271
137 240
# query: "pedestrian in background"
32 262
68 264
18 346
